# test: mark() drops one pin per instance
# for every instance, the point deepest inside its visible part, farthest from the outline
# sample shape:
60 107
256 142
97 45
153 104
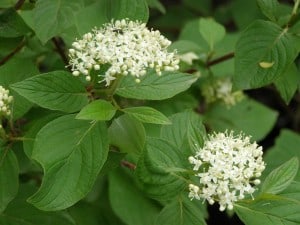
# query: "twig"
128 165
221 59
58 42
11 54
19 4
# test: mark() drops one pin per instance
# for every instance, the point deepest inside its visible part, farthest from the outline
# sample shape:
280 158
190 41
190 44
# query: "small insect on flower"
233 165
118 31
129 47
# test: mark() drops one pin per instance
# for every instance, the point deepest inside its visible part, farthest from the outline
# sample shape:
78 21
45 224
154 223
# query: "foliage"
77 151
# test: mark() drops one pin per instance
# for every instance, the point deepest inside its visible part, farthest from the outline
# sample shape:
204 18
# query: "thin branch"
221 59
19 4
294 14
58 42
11 54
128 165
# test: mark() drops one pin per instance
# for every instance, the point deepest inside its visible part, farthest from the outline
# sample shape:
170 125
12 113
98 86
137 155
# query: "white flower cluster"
129 47
221 89
228 167
5 100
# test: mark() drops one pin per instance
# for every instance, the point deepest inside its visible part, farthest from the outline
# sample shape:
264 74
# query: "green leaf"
57 90
268 8
154 87
203 7
182 211
128 134
287 83
286 147
132 9
97 110
269 210
11 24
19 212
242 117
113 161
147 115
186 132
7 3
13 71
185 46
7 45
34 127
160 170
72 153
85 214
126 200
280 178
9 177
157 5
52 17
292 191
179 103
245 12
191 32
263 42
211 31
95 15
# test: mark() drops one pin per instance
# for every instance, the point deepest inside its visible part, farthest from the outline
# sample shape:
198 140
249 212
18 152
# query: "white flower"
129 47
228 167
5 100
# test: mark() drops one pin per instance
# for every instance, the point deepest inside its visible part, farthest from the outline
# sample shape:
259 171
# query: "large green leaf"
182 211
185 46
34 127
186 132
154 87
287 83
179 103
13 71
57 90
52 17
7 45
286 147
245 12
191 32
147 115
263 52
104 11
157 5
9 177
113 161
242 117
7 3
72 153
97 110
269 210
11 24
132 9
19 212
128 202
211 31
292 191
280 178
269 8
128 134
85 214
161 168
